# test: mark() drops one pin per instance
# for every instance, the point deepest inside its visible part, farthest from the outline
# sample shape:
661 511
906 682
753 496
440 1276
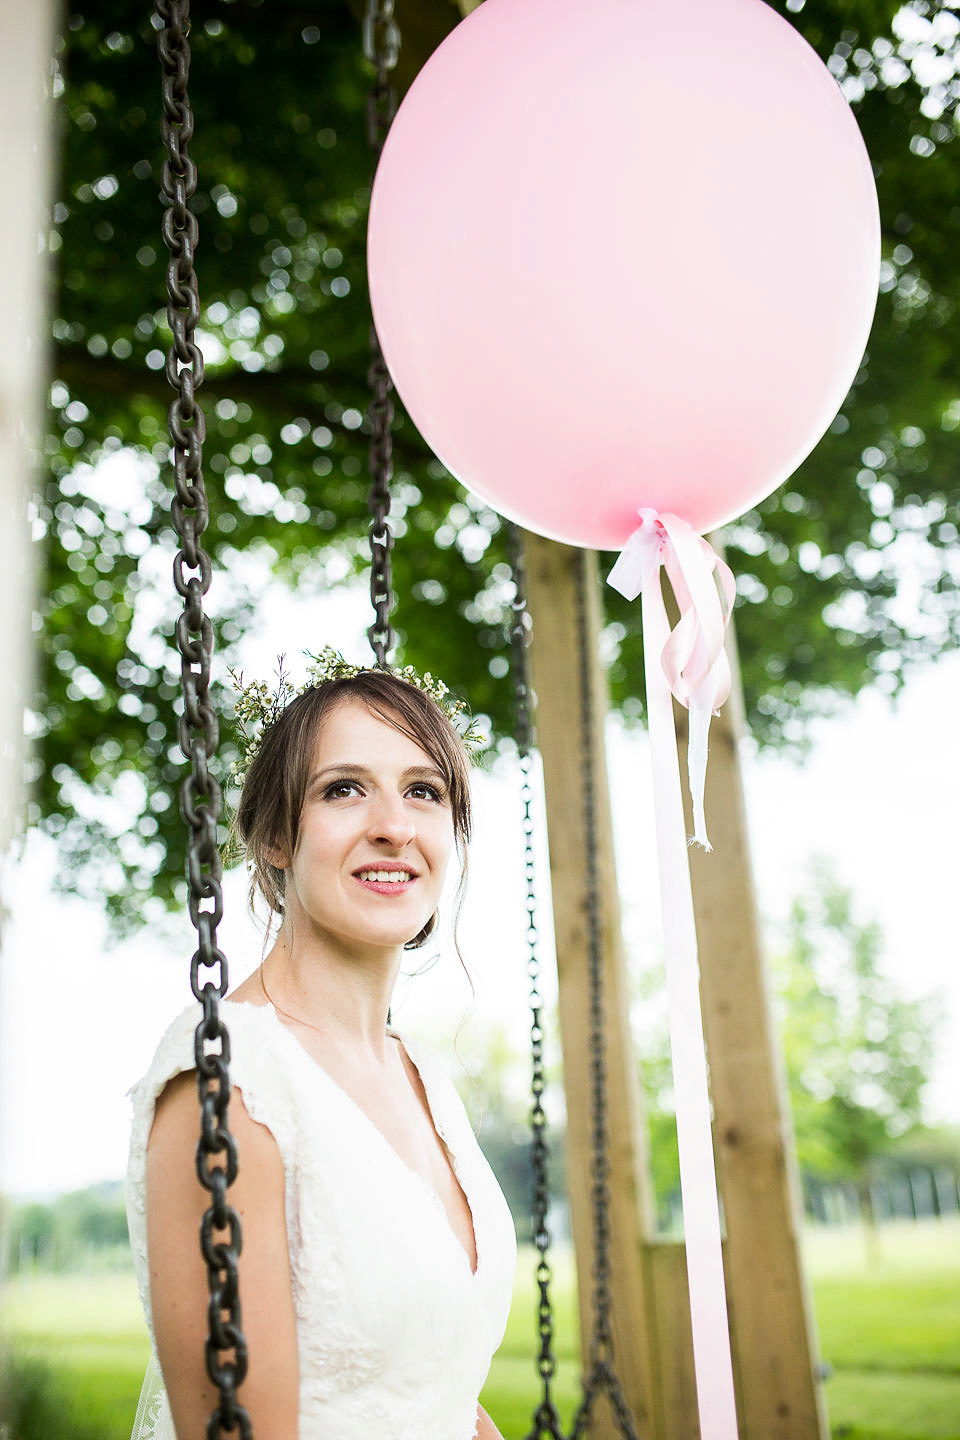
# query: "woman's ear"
277 857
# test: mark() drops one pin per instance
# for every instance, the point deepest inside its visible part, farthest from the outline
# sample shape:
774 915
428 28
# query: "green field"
890 1329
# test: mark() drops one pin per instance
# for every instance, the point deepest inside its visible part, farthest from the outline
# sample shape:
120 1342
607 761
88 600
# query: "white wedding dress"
395 1331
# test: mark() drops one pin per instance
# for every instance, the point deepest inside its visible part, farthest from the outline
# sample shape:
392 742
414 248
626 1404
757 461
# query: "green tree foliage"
651 1032
64 1234
846 576
856 1052
929 1146
497 1093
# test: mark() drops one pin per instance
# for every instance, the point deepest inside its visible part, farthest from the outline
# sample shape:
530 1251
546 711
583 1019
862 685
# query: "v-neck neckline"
372 1125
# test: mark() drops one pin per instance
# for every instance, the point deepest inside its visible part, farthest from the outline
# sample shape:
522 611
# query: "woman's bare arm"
486 1430
179 1295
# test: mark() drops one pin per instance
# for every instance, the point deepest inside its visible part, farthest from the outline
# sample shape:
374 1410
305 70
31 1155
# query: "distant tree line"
857 1057
857 1060
898 1190
84 1229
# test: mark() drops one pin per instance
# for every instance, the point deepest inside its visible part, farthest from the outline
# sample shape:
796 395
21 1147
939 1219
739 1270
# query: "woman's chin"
390 938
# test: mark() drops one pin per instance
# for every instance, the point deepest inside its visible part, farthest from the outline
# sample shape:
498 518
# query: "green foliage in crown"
258 707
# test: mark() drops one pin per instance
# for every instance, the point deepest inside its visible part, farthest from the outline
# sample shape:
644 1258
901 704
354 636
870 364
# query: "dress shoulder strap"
257 1069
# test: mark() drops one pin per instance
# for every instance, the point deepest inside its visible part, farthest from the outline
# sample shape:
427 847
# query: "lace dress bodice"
395 1331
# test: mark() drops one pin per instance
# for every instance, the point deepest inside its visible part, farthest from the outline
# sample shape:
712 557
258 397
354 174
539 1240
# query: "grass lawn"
890 1328
900 1311
889 1322
90 1329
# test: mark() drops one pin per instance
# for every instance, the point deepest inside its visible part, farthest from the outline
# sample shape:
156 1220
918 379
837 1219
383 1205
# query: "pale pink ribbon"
693 658
691 664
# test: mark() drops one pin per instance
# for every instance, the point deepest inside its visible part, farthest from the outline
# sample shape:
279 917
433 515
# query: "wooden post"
552 596
675 1341
774 1338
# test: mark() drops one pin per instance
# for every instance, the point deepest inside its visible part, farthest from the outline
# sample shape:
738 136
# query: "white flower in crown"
258 707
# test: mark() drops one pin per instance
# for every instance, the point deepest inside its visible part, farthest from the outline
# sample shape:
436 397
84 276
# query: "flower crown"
258 707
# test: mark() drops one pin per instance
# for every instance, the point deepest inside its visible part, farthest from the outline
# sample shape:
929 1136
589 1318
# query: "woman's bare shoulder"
176 1123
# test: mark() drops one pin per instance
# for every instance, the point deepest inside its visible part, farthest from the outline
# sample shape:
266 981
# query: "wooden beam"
675 1340
774 1338
552 600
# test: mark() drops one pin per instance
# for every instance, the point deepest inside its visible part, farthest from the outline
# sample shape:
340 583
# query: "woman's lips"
385 879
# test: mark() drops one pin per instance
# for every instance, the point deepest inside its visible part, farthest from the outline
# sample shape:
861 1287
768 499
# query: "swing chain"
200 796
546 1421
601 1375
381 45
380 419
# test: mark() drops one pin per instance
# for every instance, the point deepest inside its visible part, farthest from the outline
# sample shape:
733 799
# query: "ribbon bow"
693 657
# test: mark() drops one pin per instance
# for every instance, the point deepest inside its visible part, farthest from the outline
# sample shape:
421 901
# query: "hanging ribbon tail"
693 657
689 664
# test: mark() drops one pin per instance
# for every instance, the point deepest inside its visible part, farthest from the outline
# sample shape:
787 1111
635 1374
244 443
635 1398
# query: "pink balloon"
623 253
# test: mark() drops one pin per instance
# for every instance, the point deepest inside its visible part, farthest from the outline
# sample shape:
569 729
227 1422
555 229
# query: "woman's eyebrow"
344 771
424 772
349 771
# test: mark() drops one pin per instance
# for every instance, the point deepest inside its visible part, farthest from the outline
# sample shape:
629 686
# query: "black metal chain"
381 44
600 1374
380 411
200 798
546 1421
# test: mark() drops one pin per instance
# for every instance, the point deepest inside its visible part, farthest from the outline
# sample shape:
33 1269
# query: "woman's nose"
391 822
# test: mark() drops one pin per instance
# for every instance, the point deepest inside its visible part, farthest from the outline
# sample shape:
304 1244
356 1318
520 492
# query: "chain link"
546 1421
381 45
600 1375
200 798
380 412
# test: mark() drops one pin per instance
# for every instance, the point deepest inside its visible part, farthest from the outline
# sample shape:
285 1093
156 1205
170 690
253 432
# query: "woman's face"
375 835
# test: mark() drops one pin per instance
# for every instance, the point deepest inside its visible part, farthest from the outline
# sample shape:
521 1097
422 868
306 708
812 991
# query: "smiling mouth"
382 876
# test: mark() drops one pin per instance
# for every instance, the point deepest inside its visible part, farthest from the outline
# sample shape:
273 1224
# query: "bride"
378 1252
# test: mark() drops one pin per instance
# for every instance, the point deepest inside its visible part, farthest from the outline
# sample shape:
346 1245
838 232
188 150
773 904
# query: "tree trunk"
868 1218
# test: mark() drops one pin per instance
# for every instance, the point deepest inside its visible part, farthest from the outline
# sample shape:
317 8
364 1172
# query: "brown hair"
268 815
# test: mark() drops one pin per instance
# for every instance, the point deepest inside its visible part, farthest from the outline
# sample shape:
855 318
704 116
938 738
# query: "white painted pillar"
26 39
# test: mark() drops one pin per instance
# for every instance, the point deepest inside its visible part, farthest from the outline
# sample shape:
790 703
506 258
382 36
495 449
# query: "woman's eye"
422 791
340 789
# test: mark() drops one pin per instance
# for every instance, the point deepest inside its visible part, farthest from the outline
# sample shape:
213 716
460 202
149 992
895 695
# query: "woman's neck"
346 998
